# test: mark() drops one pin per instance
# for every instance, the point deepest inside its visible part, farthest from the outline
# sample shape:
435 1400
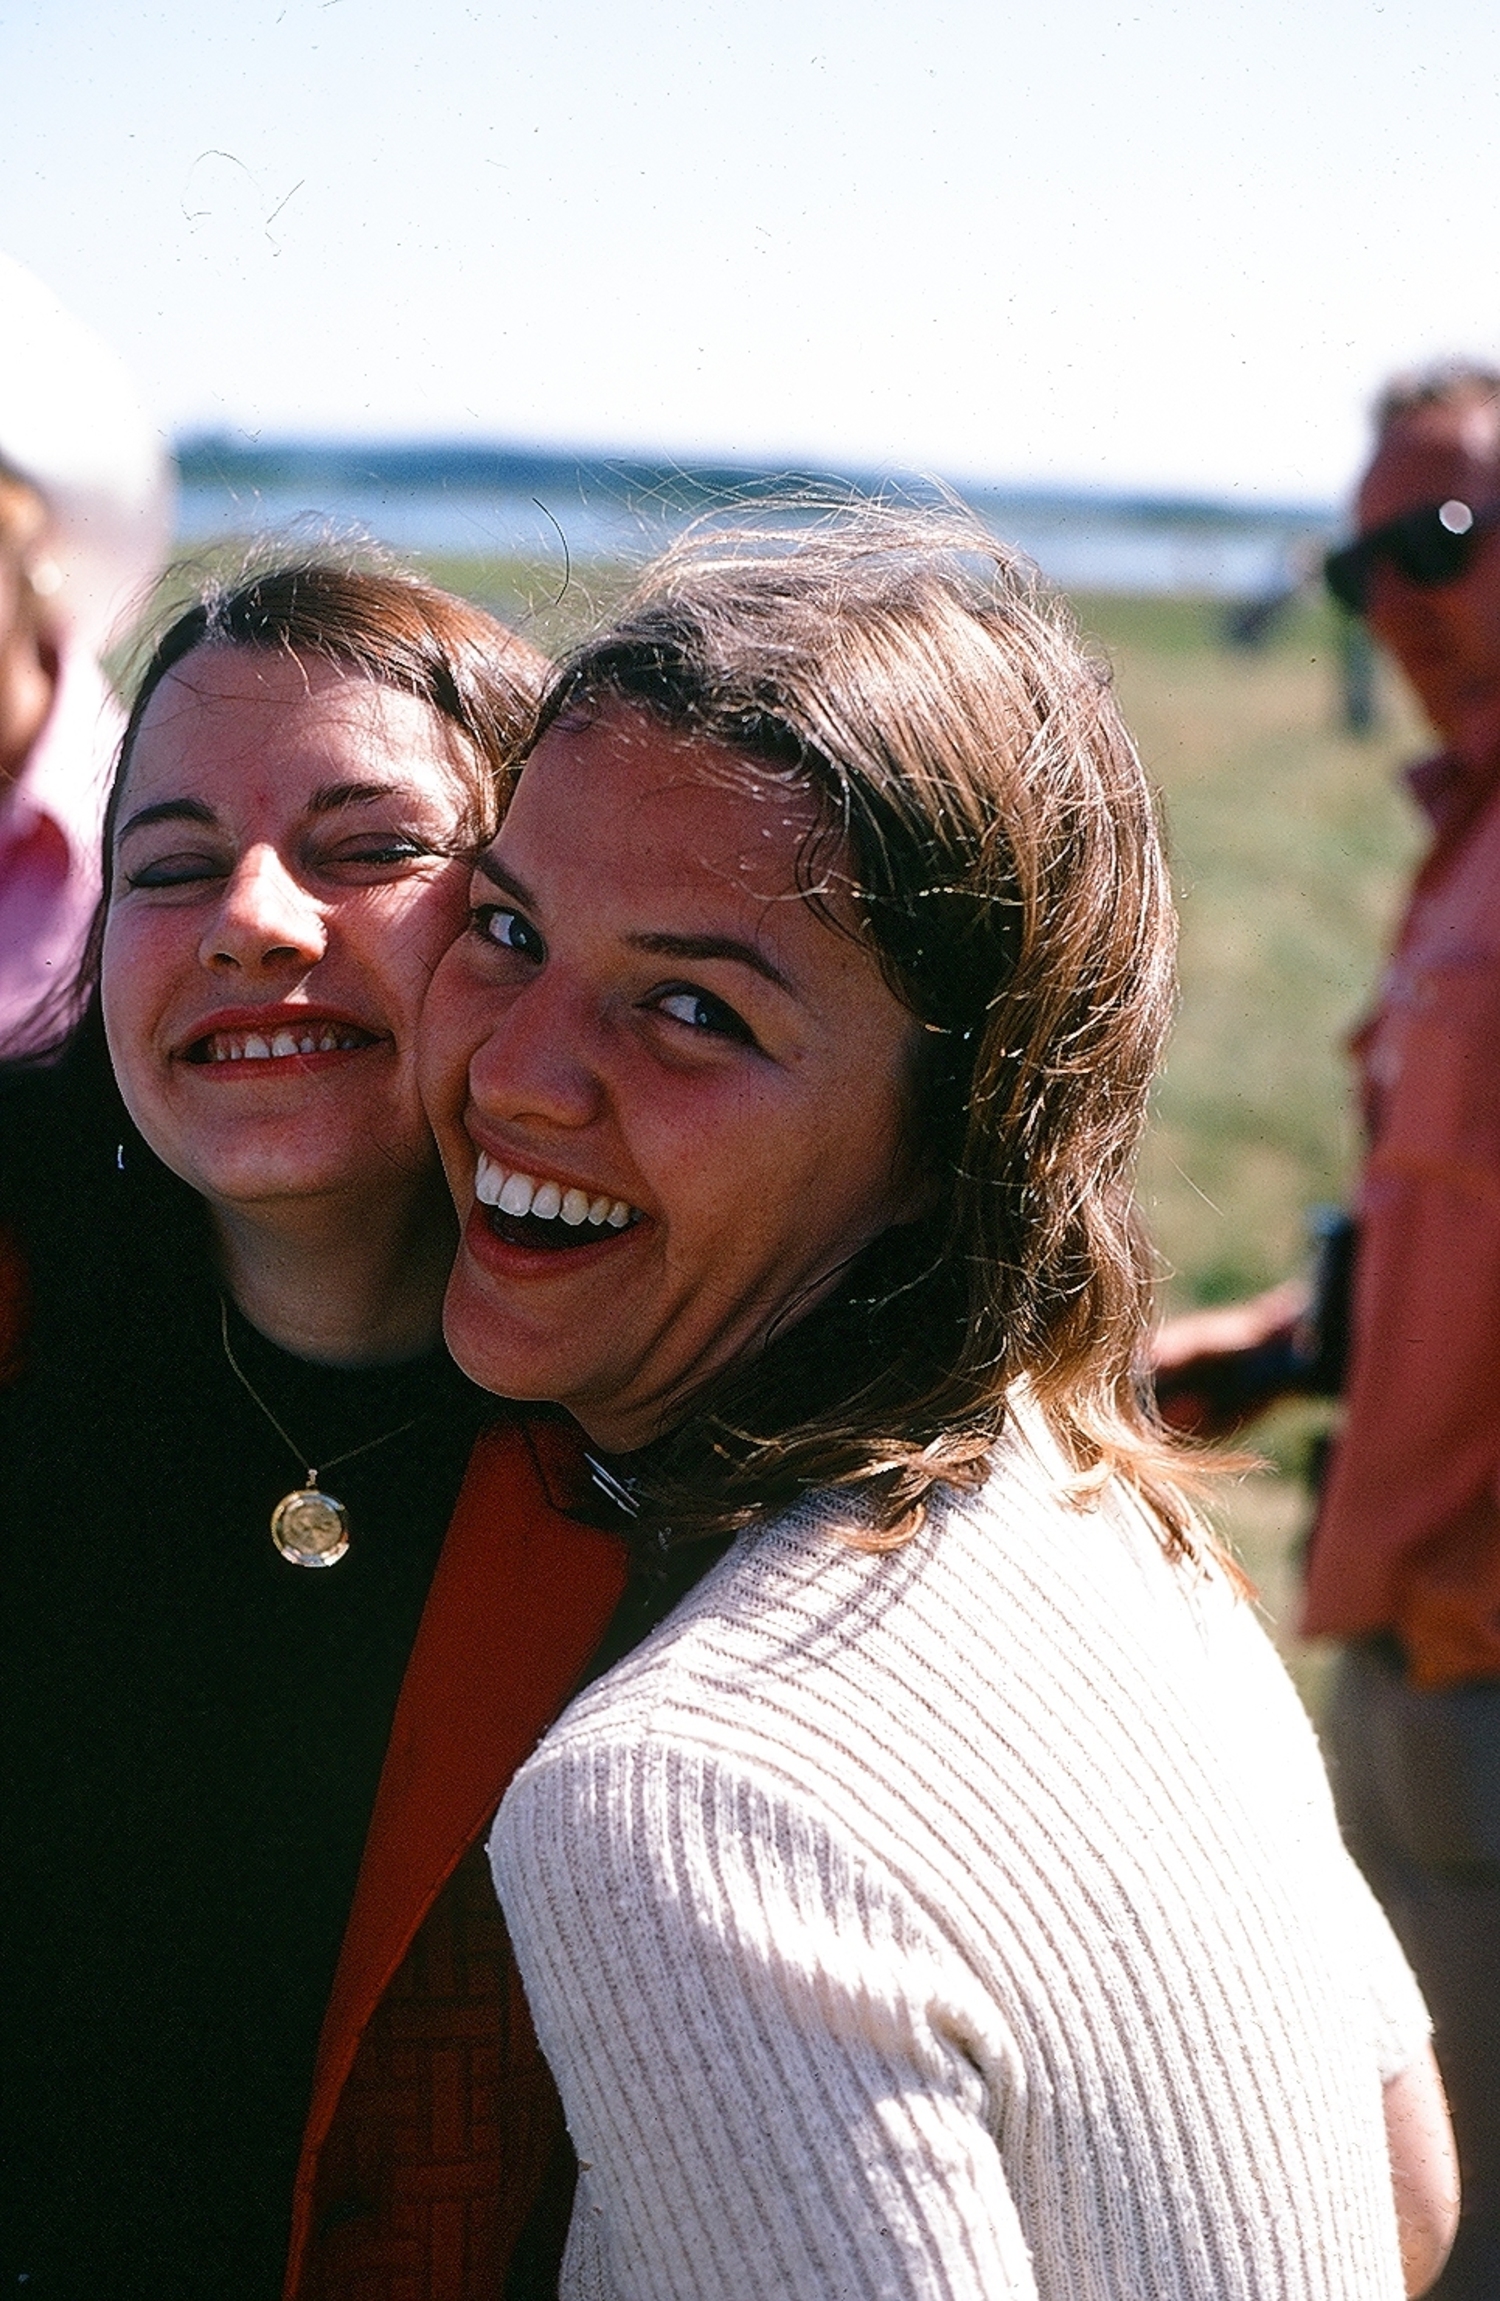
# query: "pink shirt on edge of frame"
1408 1535
50 822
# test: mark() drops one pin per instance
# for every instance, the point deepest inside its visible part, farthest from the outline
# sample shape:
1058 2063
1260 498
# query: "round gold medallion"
309 1528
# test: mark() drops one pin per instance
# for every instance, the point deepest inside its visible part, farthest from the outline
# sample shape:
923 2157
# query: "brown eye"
703 1013
507 930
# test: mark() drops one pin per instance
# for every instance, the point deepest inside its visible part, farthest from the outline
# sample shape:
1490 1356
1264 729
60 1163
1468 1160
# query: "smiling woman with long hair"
945 1900
260 2020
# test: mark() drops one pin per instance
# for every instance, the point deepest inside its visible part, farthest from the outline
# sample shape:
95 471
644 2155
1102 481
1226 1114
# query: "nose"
264 921
536 1066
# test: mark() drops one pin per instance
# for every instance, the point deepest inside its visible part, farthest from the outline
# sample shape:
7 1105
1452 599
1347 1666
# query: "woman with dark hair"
284 1602
945 1900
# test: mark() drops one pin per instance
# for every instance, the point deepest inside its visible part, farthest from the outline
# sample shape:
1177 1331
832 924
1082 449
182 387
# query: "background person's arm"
1216 1368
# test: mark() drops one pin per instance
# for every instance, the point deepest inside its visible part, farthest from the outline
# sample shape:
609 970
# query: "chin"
311 1173
1478 718
474 1334
269 1187
494 1349
289 1157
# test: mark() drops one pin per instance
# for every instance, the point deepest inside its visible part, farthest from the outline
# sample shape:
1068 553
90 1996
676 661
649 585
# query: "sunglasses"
1429 547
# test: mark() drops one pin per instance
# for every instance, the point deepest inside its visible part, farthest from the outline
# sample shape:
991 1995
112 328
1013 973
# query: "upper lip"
278 1018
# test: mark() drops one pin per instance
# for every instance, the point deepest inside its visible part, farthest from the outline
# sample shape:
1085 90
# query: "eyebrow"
169 811
329 797
659 942
326 800
713 947
502 880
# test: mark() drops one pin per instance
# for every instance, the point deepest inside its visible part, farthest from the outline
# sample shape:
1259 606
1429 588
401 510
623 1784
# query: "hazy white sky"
1125 242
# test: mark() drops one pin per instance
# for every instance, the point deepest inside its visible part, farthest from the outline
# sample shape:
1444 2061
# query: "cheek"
451 1029
867 1145
138 968
399 943
780 1166
422 922
1481 616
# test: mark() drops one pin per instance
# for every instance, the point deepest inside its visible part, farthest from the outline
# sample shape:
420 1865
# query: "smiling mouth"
279 1045
526 1211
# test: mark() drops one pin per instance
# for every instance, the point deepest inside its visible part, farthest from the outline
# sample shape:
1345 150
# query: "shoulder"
55 1114
33 1100
99 1235
1010 1581
38 1138
928 1704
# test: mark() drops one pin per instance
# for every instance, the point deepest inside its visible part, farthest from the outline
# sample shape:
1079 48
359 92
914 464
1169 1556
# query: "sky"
1077 242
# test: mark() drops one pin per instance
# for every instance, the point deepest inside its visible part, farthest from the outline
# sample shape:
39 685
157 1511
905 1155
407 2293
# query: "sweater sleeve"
760 2044
1256 1693
1400 2023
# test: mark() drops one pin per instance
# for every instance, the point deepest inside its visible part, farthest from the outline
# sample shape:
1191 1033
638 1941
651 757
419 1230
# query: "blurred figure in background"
85 516
1405 1562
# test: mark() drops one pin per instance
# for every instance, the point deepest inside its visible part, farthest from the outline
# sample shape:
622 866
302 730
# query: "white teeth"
259 1046
520 1194
515 1197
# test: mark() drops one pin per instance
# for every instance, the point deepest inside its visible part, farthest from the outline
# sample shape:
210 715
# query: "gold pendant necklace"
308 1527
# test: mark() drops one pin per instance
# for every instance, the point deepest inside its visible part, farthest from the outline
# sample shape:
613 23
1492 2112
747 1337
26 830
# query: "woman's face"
651 1039
286 877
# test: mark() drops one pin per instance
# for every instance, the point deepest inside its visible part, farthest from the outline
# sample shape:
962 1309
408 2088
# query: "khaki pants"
1417 1781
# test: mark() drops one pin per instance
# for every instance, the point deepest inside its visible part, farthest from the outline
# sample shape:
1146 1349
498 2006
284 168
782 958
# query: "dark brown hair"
387 626
379 623
975 776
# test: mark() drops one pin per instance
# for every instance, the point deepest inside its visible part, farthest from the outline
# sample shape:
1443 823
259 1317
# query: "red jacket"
433 2116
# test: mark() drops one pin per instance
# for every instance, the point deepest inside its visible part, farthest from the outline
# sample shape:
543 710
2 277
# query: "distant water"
510 504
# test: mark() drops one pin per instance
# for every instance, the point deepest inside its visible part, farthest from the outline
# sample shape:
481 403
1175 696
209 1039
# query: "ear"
916 1186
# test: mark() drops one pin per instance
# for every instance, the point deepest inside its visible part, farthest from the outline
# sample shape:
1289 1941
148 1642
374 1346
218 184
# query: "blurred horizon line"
221 458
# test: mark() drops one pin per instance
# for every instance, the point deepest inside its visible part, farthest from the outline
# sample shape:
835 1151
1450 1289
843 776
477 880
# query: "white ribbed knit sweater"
968 1922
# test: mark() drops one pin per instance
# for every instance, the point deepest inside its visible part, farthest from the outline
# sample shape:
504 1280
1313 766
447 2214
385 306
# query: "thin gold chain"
284 1435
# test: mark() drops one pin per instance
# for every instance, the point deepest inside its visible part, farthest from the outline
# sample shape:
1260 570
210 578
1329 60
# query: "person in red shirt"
1405 1560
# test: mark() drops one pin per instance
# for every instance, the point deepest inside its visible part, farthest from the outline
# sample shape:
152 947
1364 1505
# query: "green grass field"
1290 845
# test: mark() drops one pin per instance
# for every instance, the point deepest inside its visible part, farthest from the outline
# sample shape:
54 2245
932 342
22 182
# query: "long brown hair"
975 777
